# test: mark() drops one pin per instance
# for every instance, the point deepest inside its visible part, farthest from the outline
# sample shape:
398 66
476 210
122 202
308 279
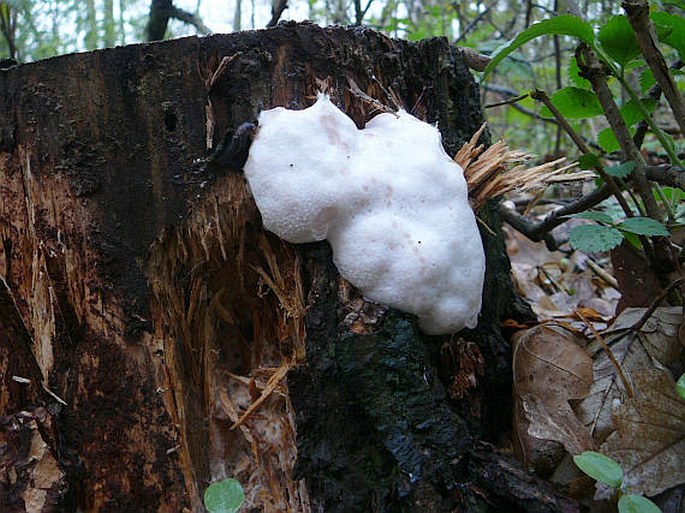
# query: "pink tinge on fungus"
390 201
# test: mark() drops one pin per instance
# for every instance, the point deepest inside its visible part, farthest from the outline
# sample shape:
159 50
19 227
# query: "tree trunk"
154 338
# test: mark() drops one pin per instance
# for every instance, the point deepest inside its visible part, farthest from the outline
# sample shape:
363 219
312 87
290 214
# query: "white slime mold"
390 201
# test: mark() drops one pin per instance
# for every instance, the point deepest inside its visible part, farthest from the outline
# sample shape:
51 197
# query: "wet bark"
153 338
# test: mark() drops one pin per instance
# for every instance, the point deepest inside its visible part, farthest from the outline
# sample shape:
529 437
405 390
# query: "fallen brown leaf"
550 368
649 441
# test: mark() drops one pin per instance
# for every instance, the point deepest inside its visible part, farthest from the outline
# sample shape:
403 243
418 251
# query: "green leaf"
674 35
632 503
225 496
631 112
620 170
575 103
607 140
600 217
680 386
633 240
589 161
600 467
618 40
560 26
594 238
644 226
574 74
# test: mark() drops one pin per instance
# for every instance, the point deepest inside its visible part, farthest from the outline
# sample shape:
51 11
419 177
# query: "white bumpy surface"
390 201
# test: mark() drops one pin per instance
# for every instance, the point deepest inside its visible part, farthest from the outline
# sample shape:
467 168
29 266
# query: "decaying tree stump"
154 338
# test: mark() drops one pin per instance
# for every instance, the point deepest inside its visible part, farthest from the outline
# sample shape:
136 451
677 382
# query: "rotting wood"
157 308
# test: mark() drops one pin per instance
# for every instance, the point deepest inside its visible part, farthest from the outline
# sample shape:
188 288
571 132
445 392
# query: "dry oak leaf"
649 441
655 345
550 368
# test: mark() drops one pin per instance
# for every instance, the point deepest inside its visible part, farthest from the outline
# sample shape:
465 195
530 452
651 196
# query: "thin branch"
672 176
563 123
540 231
190 19
508 101
638 15
474 60
654 93
277 9
595 71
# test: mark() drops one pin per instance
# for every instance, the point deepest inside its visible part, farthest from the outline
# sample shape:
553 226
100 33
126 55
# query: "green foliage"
574 74
589 161
608 234
644 226
680 386
672 30
574 103
618 40
600 467
565 25
225 496
620 170
632 503
606 470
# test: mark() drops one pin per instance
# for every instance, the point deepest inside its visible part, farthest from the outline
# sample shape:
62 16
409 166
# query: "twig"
599 271
654 93
655 304
277 9
596 73
638 15
189 18
474 60
672 176
506 102
542 97
540 231
609 352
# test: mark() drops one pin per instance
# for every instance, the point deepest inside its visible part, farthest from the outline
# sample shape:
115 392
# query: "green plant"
603 71
607 471
226 496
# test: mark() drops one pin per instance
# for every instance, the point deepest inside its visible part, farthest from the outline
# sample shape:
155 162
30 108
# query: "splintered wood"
494 171
229 308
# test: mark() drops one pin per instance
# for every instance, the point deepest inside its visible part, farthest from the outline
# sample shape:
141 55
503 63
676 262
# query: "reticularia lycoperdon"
390 201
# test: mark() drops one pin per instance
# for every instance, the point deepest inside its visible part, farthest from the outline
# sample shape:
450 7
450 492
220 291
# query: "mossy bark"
153 338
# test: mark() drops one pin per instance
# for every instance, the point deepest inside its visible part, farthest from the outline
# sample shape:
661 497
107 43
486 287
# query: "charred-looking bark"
154 338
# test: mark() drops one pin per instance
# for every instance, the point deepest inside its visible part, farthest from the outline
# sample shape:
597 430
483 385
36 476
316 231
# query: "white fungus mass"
390 201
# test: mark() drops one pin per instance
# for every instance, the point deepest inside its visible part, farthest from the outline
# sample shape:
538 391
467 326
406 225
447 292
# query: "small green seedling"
225 496
607 471
680 386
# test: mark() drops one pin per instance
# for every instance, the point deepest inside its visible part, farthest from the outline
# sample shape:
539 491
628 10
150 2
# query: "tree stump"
154 338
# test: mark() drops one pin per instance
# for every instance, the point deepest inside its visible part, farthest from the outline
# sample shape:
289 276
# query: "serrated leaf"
618 40
644 226
680 386
607 140
589 161
594 238
574 74
575 103
649 441
674 36
226 496
594 216
620 170
631 503
631 112
600 468
559 25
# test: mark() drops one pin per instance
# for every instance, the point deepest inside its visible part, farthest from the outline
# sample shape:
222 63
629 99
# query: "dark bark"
150 312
